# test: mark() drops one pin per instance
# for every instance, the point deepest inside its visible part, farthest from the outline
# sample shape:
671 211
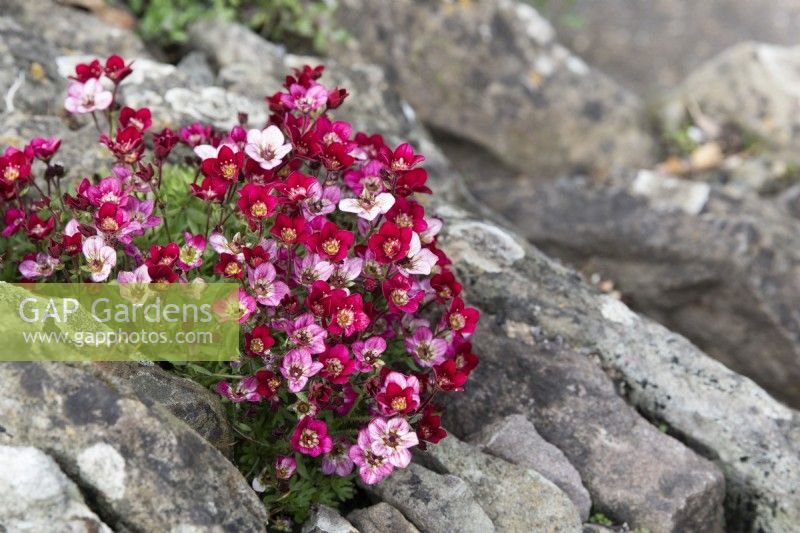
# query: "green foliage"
600 519
298 24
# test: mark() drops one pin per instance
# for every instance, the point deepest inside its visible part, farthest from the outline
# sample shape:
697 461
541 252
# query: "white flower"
368 206
433 229
206 151
100 257
419 261
267 147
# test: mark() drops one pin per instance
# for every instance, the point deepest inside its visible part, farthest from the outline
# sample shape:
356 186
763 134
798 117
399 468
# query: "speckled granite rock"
380 518
499 78
323 519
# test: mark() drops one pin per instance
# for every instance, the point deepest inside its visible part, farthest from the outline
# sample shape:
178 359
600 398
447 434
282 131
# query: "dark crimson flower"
461 319
258 341
411 182
402 159
346 312
229 267
268 383
227 165
127 146
429 427
256 203
465 360
162 274
407 214
335 156
72 243
445 285
138 118
318 297
255 256
449 377
163 143
196 134
164 255
14 167
337 364
116 69
400 294
14 220
390 243
289 230
332 242
86 71
372 145
336 97
39 229
210 190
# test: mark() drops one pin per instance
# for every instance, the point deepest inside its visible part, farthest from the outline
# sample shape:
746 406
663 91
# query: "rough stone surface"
143 469
499 78
665 376
669 38
435 503
721 268
515 439
633 472
323 519
515 498
380 518
35 495
755 85
188 401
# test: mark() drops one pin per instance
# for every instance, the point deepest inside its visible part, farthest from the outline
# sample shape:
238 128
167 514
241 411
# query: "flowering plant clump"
352 322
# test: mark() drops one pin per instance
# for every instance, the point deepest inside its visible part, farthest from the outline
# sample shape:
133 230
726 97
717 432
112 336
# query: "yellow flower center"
331 246
259 210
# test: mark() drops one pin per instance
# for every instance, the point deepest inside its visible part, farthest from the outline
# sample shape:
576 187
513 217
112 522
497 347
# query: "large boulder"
380 518
649 45
493 73
515 498
143 469
721 268
753 438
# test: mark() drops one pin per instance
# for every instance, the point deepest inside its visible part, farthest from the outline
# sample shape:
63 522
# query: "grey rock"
35 495
196 67
633 472
515 439
380 518
515 498
721 267
754 85
144 469
596 528
492 72
188 401
665 376
323 519
669 38
434 503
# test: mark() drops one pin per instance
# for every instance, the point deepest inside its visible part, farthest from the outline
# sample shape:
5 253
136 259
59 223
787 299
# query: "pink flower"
87 97
304 332
337 365
141 212
401 295
337 461
245 390
236 307
109 190
310 437
297 367
100 258
285 465
322 204
43 266
368 353
262 281
427 350
191 254
305 100
368 206
345 272
392 439
372 466
399 394
220 244
267 147
311 268
14 220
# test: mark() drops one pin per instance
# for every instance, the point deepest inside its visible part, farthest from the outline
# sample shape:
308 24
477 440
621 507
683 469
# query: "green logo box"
113 322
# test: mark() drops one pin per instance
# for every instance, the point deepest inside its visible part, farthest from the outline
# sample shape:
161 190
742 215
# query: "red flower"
14 167
42 148
461 319
337 364
411 182
449 377
310 437
258 341
255 256
397 396
267 383
402 159
127 146
211 190
229 267
14 220
227 165
332 242
445 285
391 243
162 274
116 69
86 71
139 119
346 312
399 294
336 97
72 243
297 187
39 229
407 214
335 157
318 298
163 255
163 143
289 230
256 203
465 360
429 427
